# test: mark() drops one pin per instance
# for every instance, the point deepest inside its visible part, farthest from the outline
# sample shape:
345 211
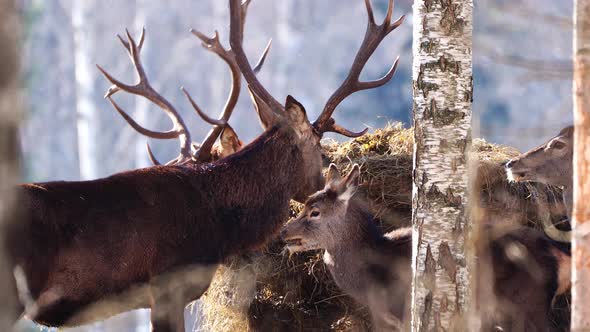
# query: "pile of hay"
272 291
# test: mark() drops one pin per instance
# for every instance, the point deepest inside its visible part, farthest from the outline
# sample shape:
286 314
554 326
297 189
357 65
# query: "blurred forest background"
522 76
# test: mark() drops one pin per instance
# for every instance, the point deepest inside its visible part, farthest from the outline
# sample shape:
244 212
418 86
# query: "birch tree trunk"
10 105
83 16
443 89
581 213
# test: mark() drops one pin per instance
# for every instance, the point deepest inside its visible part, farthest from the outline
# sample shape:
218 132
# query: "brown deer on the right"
550 163
519 266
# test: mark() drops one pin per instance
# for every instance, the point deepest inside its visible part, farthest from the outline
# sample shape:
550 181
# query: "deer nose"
509 163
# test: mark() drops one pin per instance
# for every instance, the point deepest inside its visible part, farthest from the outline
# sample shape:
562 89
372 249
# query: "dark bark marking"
429 277
425 87
428 46
444 64
469 91
450 22
451 199
441 118
447 261
426 312
448 198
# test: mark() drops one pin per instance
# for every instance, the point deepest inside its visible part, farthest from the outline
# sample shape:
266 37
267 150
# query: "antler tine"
203 116
331 126
228 55
153 159
143 88
126 44
146 132
113 88
236 36
262 58
374 34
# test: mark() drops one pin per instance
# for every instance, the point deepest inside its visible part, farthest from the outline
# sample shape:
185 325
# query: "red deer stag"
146 232
76 236
522 266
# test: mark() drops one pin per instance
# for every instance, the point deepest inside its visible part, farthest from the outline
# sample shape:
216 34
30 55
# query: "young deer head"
550 163
371 267
322 224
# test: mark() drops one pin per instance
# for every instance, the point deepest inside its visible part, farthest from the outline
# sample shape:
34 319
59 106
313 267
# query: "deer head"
292 115
549 163
322 223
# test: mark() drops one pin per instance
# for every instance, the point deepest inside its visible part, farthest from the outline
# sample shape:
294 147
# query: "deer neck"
362 230
348 257
568 199
263 176
269 164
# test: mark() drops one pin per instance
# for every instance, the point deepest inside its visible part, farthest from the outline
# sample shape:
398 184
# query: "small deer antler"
374 35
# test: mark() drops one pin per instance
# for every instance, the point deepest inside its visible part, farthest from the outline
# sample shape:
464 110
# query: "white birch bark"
581 214
83 14
10 114
442 83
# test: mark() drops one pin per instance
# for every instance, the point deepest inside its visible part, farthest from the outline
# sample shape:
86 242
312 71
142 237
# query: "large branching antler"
375 33
237 11
214 45
143 88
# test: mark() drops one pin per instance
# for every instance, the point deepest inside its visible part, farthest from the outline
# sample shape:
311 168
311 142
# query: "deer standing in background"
550 163
521 268
152 238
372 268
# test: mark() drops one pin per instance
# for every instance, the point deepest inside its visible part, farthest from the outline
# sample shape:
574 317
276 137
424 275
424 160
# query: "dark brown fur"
524 279
94 239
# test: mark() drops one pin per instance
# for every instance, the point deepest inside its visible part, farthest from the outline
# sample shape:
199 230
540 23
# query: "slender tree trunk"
83 16
10 105
581 213
442 84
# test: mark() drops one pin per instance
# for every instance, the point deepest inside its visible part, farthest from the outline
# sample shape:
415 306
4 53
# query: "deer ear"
229 140
296 114
333 174
351 183
265 114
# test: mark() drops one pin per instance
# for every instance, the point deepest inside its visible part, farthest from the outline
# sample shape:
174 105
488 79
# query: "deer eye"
314 214
558 145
